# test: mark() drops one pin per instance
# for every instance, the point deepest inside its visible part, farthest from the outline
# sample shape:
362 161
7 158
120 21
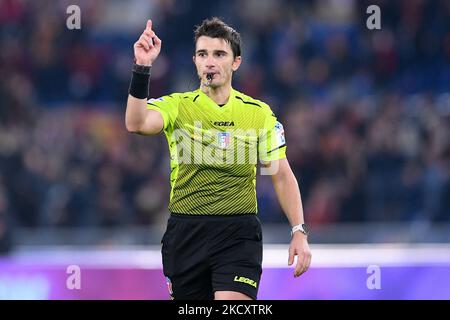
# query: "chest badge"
223 139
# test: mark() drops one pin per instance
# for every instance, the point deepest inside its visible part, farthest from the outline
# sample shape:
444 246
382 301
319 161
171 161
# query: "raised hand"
148 47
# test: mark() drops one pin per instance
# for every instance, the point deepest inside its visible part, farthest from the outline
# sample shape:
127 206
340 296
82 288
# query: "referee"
212 248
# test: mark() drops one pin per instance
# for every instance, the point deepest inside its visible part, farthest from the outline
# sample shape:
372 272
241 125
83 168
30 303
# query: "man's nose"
210 62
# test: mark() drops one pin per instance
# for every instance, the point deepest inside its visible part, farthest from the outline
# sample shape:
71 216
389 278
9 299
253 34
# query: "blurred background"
366 114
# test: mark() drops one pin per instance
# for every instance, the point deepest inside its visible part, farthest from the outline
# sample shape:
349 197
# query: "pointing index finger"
149 25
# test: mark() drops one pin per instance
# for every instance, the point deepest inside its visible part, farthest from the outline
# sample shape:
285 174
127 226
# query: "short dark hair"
216 28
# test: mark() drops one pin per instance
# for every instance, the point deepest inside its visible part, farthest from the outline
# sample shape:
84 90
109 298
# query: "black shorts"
204 254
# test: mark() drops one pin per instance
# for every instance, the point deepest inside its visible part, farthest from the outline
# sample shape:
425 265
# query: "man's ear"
236 63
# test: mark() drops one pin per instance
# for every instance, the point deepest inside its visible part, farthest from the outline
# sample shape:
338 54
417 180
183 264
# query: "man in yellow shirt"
212 247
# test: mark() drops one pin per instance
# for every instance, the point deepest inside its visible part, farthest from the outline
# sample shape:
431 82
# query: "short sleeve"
272 143
167 106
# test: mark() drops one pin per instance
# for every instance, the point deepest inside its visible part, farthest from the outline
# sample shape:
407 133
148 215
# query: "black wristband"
141 69
140 80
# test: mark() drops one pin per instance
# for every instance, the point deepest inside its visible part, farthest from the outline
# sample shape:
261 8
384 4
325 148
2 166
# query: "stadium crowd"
366 112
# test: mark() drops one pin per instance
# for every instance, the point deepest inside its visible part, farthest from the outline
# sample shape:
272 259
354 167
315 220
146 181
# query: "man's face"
214 55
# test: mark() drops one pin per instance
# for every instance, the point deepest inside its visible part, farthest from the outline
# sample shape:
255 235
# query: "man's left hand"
299 247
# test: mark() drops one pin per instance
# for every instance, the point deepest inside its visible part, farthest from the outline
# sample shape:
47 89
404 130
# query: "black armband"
140 81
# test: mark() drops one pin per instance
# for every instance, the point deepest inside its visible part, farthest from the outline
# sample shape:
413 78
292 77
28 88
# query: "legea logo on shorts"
245 280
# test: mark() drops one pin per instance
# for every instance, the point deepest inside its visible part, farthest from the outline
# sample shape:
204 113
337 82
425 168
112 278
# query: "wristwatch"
300 227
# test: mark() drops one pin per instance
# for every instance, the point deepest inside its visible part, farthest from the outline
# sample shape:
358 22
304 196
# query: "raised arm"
138 119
